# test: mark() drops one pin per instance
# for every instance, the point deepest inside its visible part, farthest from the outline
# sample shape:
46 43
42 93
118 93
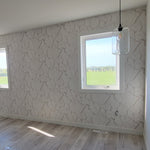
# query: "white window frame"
6 51
84 85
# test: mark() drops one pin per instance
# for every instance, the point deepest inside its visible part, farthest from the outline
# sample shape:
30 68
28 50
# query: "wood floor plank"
18 134
79 143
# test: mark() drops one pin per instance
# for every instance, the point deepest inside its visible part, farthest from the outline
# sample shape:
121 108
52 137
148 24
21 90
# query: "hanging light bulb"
121 41
120 38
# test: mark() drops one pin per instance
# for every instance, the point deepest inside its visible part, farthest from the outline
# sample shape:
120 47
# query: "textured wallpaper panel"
45 75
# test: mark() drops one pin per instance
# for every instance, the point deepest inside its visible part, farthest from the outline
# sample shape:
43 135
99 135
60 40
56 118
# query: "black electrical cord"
119 11
120 28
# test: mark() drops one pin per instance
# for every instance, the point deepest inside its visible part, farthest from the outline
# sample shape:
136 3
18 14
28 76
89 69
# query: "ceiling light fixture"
120 38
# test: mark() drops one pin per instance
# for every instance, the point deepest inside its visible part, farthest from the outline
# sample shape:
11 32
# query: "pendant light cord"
120 28
119 11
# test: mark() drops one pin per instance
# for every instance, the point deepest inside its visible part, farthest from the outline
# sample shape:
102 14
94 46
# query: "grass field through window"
3 69
3 80
101 78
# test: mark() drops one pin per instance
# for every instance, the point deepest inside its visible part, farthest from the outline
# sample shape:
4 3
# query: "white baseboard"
81 125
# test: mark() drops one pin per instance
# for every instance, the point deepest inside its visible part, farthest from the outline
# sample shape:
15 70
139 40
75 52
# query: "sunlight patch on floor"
40 131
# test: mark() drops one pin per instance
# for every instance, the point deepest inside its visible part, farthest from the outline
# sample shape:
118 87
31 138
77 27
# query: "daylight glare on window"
3 69
100 63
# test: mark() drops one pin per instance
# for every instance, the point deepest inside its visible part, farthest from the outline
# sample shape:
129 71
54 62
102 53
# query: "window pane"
100 62
3 69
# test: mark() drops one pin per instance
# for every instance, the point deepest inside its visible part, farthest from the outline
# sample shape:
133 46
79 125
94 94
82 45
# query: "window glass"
3 69
100 63
99 67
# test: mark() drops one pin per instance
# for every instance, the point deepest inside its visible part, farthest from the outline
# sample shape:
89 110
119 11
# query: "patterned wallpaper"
45 76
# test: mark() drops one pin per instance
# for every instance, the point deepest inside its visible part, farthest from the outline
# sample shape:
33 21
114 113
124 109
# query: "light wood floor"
27 135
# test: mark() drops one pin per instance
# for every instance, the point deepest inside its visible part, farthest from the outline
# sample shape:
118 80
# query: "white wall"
45 79
147 103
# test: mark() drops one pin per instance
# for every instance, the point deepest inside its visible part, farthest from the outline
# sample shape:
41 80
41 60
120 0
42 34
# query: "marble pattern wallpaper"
44 73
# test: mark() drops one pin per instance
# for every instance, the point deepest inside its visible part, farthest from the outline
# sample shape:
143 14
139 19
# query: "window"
100 69
3 69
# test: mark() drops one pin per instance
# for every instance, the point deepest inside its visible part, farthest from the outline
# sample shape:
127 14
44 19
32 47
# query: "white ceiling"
19 15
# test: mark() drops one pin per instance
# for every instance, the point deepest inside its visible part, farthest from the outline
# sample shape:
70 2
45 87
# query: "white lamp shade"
121 41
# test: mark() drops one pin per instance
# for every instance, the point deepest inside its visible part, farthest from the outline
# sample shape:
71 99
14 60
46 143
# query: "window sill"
98 91
4 87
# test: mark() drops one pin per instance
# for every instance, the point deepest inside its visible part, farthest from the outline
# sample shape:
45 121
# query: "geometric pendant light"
120 38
